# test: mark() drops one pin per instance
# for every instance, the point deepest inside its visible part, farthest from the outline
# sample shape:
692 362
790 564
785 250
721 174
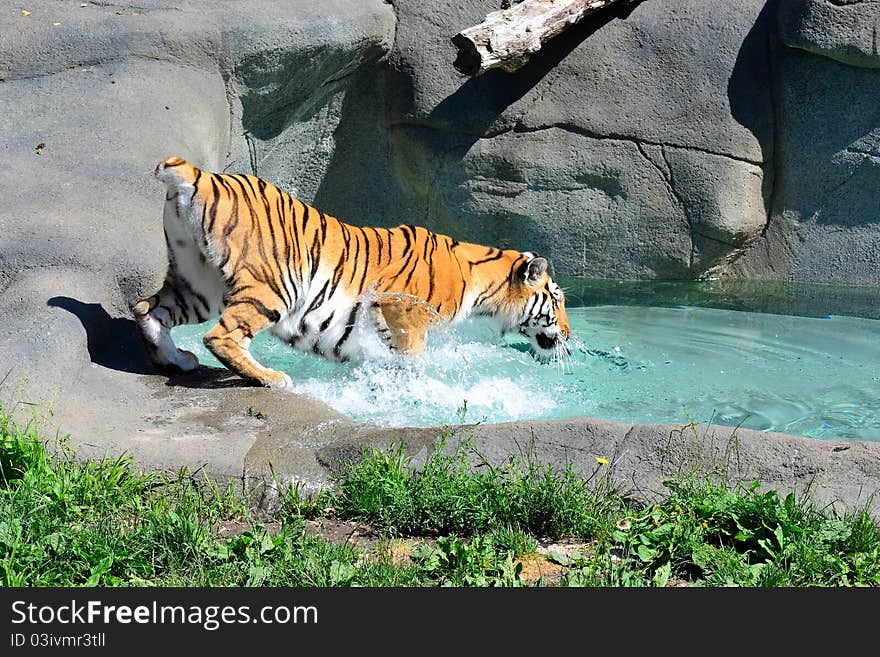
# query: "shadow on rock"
116 343
207 377
113 342
750 87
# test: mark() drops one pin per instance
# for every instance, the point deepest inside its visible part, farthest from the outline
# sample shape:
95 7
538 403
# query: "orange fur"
261 259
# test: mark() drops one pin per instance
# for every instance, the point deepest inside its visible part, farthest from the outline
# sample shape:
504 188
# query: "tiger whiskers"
563 357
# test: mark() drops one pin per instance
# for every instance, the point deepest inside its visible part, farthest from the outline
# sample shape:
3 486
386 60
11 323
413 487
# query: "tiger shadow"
116 343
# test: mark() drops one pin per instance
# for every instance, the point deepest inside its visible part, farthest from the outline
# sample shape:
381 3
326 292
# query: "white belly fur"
185 241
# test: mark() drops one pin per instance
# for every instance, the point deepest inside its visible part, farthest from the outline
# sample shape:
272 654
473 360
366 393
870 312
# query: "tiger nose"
546 341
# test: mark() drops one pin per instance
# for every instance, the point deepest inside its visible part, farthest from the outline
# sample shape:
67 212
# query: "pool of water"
815 374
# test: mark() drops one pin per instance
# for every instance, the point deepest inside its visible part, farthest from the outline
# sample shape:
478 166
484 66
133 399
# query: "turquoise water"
816 376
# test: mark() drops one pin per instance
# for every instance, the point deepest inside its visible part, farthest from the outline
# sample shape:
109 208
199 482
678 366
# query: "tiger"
243 250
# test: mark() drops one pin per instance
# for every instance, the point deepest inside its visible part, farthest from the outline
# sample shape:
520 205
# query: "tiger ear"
532 270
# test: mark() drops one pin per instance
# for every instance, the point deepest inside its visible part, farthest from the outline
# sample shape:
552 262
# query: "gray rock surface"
845 30
643 145
586 126
825 212
109 92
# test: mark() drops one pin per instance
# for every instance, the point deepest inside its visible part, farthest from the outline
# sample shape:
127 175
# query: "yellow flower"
25 12
601 461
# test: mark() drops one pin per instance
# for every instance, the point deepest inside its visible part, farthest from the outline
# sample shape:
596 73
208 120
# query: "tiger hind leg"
230 339
402 321
155 317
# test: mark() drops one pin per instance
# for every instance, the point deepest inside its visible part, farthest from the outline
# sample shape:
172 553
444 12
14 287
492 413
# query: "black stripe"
431 270
261 186
264 277
166 309
339 269
195 186
275 260
314 256
316 303
497 256
406 261
411 272
522 269
272 315
349 325
530 306
357 253
225 260
279 209
366 263
294 238
233 215
323 226
379 242
306 217
487 294
326 322
255 223
190 291
213 213
390 244
239 288
366 248
247 179
181 302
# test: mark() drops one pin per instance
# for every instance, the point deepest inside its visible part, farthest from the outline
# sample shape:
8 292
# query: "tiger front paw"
279 381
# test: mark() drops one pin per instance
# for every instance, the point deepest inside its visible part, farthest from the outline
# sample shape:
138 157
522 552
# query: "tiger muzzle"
547 341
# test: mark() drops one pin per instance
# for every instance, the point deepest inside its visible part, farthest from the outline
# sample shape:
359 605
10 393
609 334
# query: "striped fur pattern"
241 249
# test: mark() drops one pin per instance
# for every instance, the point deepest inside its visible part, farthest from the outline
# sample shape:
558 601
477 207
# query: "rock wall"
824 224
108 92
661 140
633 146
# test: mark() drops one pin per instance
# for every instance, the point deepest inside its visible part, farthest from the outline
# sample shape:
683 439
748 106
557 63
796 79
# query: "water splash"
459 378
809 376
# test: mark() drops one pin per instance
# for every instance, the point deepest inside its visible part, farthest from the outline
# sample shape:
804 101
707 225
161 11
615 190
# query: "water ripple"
816 377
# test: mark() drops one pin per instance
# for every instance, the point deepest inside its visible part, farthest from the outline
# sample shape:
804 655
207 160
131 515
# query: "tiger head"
535 307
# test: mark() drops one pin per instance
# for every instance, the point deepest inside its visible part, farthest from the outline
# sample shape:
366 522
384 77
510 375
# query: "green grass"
446 495
65 522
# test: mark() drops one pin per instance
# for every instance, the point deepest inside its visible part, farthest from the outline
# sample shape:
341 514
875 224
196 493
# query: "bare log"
508 37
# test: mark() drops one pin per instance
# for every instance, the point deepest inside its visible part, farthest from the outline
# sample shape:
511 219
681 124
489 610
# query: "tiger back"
244 250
